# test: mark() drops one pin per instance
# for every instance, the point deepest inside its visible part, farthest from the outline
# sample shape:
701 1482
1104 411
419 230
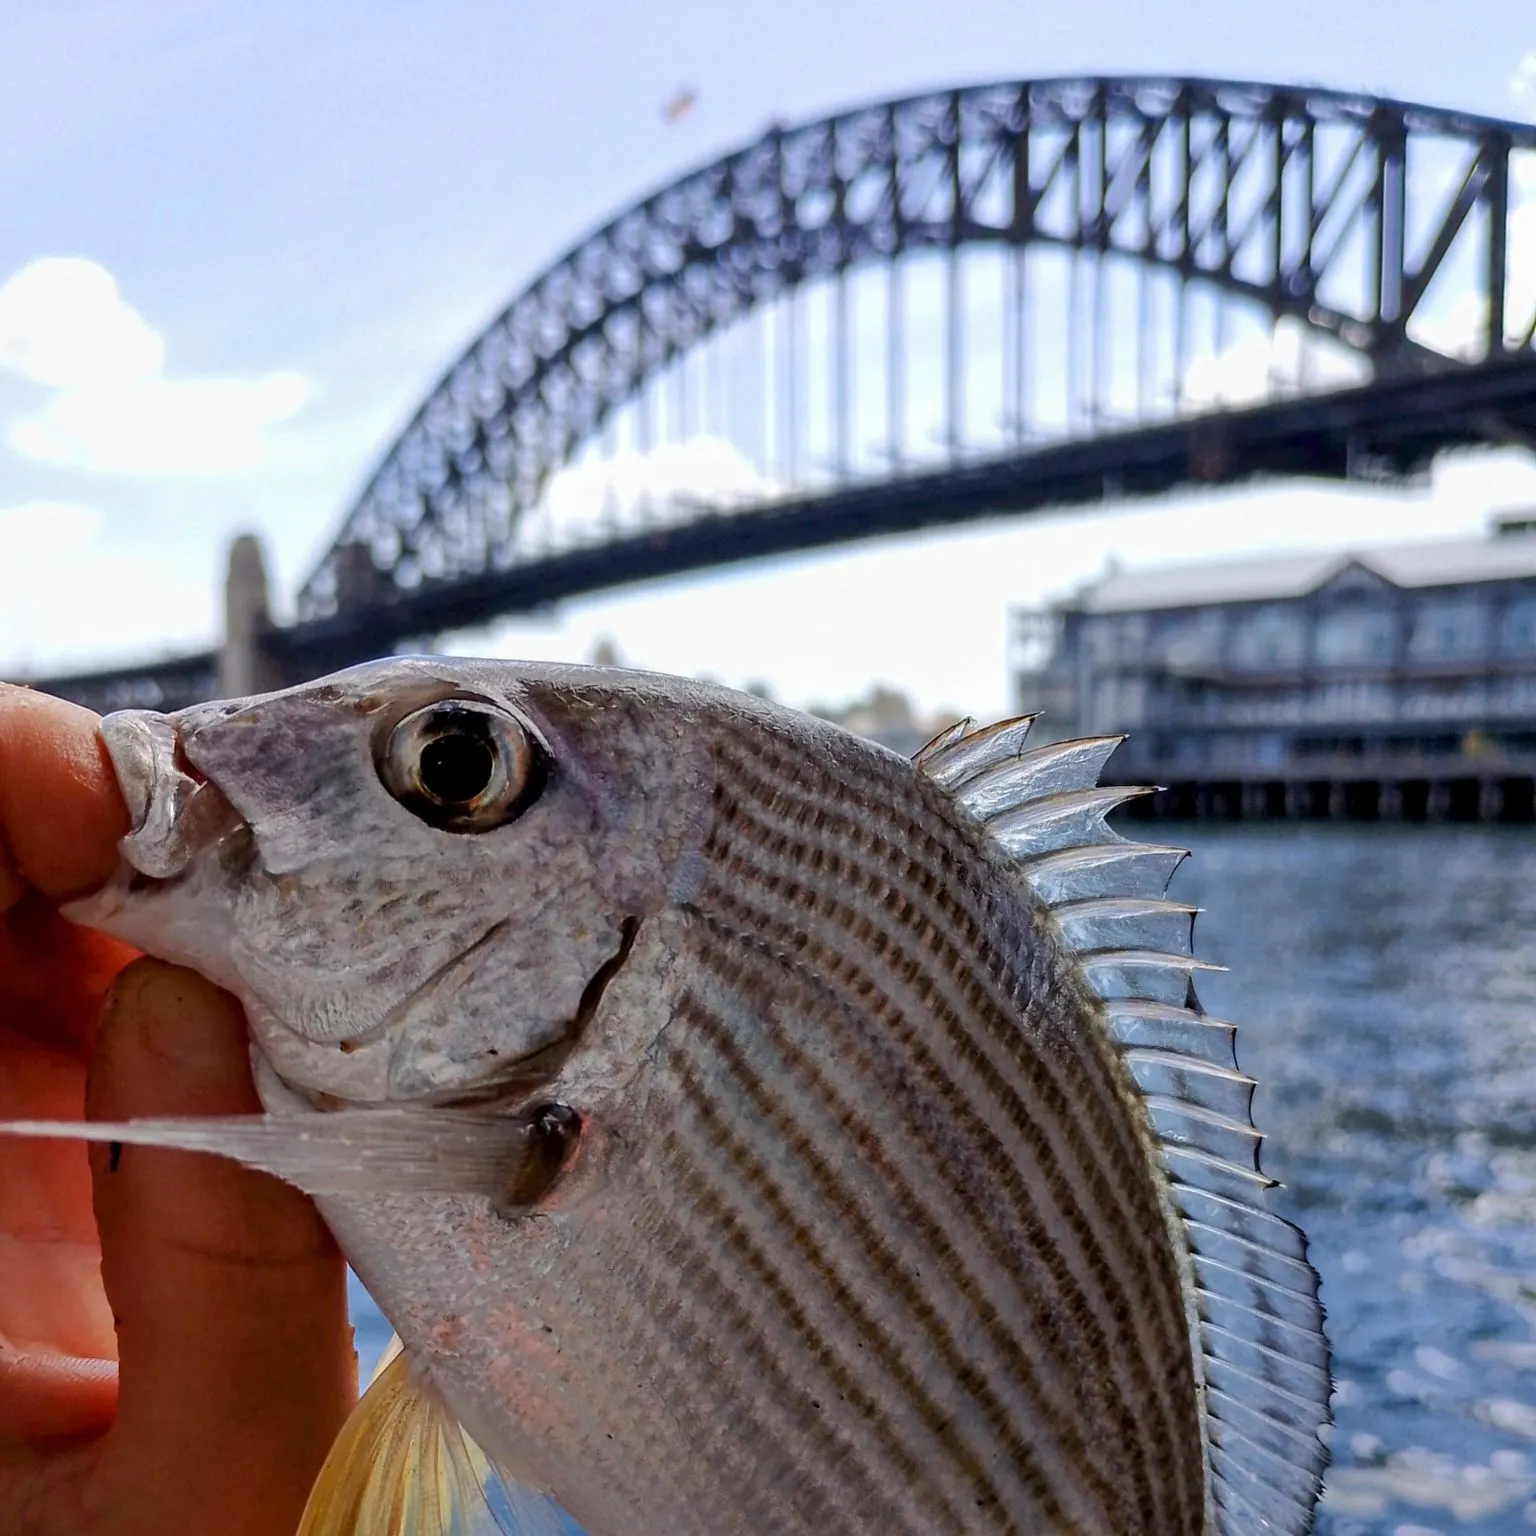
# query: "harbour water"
1385 979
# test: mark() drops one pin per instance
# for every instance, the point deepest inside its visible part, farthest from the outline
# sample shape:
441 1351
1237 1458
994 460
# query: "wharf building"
1394 683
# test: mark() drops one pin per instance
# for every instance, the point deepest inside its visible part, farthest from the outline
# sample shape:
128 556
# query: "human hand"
175 1355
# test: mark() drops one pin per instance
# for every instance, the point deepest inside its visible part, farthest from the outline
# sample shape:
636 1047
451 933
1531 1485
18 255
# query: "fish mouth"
185 837
175 812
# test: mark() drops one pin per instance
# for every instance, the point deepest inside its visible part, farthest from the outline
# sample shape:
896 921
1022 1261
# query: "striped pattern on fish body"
915 1191
937 1150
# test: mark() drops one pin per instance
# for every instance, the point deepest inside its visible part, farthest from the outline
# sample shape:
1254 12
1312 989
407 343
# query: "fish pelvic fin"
1256 1324
404 1466
396 1150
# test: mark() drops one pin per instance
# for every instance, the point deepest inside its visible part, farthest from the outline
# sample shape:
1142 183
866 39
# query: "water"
1386 979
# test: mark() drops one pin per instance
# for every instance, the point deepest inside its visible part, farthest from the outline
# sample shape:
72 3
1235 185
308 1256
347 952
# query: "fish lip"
143 749
174 810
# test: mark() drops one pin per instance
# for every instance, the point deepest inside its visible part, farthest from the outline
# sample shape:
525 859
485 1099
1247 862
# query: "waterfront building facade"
1387 682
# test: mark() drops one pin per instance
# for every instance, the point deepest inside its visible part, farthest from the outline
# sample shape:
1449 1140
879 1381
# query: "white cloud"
1268 363
70 596
39 543
160 426
63 325
930 612
1522 84
33 530
668 482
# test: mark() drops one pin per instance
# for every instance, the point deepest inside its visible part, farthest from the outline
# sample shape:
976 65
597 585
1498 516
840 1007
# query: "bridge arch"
1302 203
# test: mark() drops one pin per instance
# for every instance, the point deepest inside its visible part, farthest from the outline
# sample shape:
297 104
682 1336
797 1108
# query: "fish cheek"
508 1009
332 951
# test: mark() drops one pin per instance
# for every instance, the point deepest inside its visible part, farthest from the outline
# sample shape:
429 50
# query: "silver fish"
745 1129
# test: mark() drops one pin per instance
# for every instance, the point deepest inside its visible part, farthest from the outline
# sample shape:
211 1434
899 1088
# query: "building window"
1099 639
1106 705
1272 638
1518 631
1191 641
1449 630
1356 636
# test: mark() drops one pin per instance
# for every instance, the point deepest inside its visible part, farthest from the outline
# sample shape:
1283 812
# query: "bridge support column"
245 664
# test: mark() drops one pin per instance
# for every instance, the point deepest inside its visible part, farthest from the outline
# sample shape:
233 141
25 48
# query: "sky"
241 242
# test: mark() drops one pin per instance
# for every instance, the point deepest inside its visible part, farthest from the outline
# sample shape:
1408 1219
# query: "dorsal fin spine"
1045 809
937 743
960 759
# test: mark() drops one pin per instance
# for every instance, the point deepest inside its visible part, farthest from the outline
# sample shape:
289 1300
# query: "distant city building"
1394 681
887 715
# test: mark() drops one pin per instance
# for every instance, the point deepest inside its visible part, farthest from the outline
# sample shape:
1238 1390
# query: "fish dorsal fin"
1257 1324
950 733
403 1466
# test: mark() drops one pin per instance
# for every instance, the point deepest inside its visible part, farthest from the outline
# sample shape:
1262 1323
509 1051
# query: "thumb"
229 1296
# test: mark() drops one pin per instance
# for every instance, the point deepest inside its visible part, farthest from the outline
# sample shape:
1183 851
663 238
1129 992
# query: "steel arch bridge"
961 303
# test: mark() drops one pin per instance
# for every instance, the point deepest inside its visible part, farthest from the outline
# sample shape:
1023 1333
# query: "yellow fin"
403 1466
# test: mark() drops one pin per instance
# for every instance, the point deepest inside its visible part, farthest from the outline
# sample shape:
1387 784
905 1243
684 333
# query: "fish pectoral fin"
403 1466
344 1152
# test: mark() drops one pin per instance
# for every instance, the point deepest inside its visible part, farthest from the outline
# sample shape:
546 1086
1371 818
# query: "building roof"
1273 577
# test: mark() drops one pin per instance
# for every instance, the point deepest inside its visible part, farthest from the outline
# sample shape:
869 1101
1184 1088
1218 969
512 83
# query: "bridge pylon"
247 661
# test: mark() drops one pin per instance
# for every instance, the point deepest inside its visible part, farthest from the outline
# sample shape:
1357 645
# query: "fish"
744 1128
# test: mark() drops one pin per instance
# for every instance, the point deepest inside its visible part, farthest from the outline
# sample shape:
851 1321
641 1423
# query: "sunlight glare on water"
1387 981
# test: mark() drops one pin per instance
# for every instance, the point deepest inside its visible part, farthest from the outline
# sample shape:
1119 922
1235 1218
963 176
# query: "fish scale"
868 1086
968 1091
861 864
902 1269
746 1130
864 1287
937 922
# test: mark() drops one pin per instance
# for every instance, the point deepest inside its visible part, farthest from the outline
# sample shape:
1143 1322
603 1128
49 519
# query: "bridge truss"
908 313
973 301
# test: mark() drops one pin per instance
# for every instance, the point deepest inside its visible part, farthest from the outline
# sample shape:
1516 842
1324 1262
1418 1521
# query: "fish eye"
462 766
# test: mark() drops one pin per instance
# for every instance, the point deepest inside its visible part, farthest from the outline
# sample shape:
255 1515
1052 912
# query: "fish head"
412 873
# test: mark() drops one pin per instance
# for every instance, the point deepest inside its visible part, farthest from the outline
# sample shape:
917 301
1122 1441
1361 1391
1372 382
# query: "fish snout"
173 810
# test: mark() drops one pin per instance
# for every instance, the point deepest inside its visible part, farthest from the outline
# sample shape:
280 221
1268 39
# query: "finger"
58 1370
12 886
52 1396
53 975
237 1366
61 813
